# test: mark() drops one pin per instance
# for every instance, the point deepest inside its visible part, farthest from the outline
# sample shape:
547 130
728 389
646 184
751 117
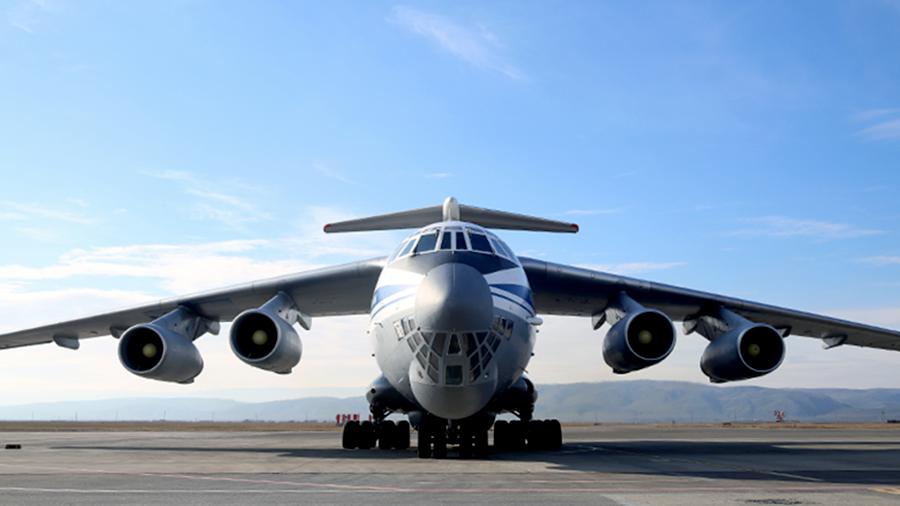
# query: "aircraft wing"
565 290
332 291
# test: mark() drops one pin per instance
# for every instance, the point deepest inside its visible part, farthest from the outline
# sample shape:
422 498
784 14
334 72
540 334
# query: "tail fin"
452 210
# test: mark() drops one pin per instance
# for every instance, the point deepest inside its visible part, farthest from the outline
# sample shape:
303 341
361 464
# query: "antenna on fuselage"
451 210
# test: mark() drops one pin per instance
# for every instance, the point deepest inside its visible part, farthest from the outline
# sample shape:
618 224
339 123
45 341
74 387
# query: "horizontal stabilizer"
451 210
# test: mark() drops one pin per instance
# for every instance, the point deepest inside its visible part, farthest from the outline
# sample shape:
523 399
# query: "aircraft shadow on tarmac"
835 462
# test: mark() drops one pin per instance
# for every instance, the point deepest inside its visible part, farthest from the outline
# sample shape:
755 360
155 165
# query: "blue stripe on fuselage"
520 290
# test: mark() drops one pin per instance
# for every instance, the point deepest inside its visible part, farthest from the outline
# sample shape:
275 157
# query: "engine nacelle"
164 349
266 338
643 337
747 351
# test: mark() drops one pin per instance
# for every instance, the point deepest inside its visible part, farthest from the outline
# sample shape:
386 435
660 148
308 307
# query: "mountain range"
641 401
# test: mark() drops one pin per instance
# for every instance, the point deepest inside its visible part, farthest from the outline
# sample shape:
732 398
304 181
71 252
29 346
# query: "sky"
154 148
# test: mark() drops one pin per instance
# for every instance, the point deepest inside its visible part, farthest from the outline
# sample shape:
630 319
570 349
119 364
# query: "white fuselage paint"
398 337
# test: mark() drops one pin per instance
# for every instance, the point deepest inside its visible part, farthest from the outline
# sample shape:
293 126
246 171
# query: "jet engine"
746 351
639 337
266 338
163 349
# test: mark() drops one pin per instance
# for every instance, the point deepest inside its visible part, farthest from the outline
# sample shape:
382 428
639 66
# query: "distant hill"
620 401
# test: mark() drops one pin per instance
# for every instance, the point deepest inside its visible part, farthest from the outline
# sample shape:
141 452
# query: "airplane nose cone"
454 402
452 297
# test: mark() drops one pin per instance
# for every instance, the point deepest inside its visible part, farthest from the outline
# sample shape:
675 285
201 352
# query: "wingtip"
326 228
574 227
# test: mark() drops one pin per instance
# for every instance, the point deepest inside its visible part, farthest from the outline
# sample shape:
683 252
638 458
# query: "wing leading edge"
332 291
572 291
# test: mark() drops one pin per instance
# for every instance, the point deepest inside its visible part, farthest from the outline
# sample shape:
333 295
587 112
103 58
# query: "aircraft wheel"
423 450
536 434
387 435
366 435
516 435
402 433
350 436
481 442
555 434
440 445
466 443
501 435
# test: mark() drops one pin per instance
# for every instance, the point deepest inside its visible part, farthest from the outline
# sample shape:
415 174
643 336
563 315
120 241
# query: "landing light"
260 337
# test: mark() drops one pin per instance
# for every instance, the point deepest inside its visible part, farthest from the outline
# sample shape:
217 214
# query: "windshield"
453 238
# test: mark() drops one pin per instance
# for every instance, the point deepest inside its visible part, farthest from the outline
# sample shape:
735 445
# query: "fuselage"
451 319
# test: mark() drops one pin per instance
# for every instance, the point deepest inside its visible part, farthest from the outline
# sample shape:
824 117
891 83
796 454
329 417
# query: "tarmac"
606 465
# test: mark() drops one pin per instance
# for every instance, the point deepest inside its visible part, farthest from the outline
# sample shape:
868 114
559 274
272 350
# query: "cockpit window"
407 248
397 251
446 240
461 241
480 242
453 238
426 242
502 248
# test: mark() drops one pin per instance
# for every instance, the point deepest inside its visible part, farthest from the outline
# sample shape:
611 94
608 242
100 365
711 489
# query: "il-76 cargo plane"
453 315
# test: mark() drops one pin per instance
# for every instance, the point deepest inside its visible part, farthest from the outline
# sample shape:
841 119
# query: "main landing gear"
386 434
434 436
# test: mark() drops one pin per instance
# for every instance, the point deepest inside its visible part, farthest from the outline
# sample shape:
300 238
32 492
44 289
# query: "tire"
350 436
466 444
555 434
536 435
439 450
516 435
481 442
501 435
366 435
423 449
402 433
387 435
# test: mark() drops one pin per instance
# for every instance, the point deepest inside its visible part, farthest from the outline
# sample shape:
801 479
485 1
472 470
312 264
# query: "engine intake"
265 337
745 352
163 349
640 338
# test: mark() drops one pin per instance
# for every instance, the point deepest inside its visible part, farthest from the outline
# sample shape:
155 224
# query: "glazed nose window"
453 375
454 345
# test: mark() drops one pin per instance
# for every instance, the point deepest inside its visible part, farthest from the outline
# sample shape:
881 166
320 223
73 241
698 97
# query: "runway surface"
631 465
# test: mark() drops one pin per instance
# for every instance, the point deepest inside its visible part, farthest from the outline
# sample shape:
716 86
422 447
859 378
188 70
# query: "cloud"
220 204
882 260
883 124
176 268
629 268
883 131
18 211
331 173
440 175
871 114
26 15
782 226
476 46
